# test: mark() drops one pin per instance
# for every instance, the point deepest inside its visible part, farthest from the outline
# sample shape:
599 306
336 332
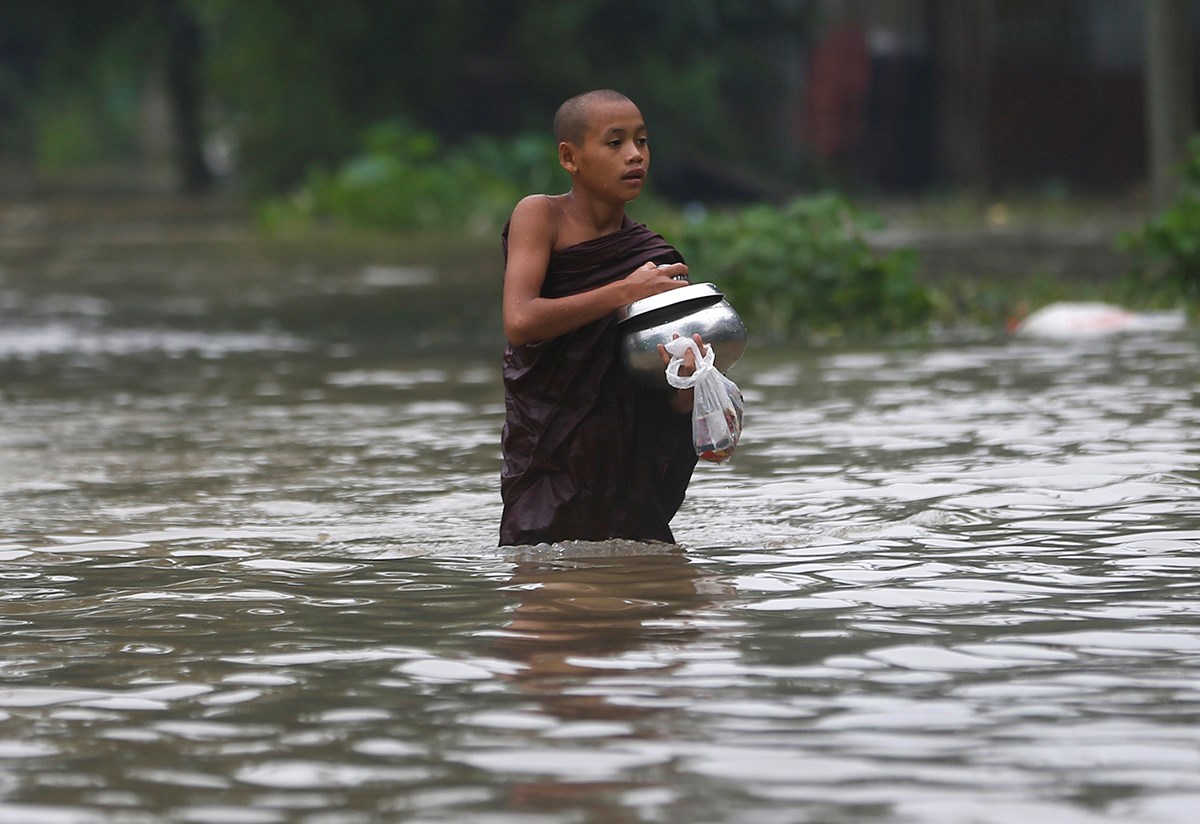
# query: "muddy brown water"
248 505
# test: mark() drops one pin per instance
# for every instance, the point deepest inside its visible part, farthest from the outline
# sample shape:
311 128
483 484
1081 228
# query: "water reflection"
586 613
579 613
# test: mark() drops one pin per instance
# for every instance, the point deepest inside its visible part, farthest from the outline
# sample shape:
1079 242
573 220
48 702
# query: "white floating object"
1091 319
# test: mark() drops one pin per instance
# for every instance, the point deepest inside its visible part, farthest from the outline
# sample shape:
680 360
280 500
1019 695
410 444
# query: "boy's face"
615 155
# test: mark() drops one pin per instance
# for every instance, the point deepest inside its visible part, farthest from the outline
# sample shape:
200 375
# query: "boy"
588 454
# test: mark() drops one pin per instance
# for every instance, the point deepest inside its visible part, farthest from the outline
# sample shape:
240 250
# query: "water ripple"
934 585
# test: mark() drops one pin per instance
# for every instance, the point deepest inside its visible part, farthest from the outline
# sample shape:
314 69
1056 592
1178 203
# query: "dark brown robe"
588 454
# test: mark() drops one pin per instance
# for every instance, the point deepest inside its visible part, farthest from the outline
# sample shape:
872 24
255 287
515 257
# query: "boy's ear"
566 157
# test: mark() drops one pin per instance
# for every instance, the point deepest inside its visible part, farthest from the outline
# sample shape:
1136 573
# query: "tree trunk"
183 59
964 48
1168 84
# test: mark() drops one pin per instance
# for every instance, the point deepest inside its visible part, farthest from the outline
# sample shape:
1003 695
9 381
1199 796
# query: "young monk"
588 454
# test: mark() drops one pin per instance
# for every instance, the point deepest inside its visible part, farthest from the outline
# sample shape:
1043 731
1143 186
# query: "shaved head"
571 120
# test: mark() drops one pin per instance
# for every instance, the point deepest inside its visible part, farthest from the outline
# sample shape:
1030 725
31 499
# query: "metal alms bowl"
696 308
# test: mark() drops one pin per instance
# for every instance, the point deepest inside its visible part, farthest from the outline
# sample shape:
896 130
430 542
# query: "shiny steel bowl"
695 308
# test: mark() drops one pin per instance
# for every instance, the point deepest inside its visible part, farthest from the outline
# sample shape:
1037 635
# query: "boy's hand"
689 357
681 399
652 279
676 271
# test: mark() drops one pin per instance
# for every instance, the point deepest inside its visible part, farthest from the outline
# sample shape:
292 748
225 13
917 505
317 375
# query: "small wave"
26 342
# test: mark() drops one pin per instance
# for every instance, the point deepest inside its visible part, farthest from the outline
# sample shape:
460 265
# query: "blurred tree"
295 83
302 79
183 55
965 47
709 74
302 82
1170 112
75 70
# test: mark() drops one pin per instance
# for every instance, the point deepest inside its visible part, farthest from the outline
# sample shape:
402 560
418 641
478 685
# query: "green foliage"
806 269
70 133
82 106
279 72
293 83
405 179
79 128
708 74
1166 250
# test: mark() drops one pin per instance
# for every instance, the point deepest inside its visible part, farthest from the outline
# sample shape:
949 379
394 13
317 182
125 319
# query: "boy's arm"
529 317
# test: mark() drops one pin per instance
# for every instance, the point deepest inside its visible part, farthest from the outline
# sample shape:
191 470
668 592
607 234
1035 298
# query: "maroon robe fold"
588 454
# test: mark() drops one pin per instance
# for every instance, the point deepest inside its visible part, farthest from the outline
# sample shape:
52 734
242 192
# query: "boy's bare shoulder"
546 207
539 216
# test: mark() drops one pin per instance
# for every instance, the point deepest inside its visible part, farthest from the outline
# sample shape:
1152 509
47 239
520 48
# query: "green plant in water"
1166 249
405 179
806 269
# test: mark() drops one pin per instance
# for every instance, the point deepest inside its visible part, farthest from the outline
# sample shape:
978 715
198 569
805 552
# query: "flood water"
248 506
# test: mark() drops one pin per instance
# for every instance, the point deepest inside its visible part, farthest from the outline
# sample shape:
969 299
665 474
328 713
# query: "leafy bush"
405 179
806 269
1166 250
77 128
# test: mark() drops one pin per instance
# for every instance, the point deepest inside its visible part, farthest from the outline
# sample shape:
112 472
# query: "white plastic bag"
716 401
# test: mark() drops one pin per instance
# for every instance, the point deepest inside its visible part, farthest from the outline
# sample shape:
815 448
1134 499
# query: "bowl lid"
707 292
